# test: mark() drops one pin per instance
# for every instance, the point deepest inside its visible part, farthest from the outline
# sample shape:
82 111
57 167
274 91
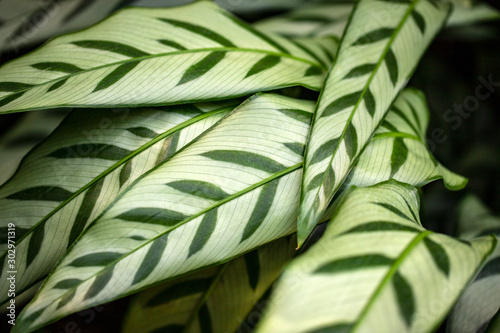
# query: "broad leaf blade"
371 68
191 53
365 273
67 181
218 297
481 300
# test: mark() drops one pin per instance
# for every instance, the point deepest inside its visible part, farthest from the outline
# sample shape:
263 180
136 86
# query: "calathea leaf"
217 298
218 197
365 273
370 69
481 300
69 179
200 235
468 12
191 53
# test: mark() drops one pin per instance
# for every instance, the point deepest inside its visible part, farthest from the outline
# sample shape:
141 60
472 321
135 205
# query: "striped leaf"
216 299
481 300
180 216
158 57
366 273
371 68
68 180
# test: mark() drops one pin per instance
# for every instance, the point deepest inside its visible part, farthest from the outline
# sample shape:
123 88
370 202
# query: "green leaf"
228 292
481 300
71 178
350 109
189 50
361 276
469 12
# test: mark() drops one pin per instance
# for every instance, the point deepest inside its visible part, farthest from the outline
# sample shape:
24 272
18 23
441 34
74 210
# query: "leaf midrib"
370 79
194 216
394 267
119 163
158 55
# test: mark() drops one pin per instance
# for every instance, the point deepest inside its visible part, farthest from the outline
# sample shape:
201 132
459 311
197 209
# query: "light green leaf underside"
145 57
330 19
370 70
218 298
67 181
29 131
192 178
365 273
481 300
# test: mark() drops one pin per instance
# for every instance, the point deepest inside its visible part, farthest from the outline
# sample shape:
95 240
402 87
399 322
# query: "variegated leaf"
468 12
67 181
216 299
481 300
158 57
372 66
376 269
181 216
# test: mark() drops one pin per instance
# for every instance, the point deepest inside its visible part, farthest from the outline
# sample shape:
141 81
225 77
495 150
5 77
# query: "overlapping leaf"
235 188
70 179
156 56
481 300
467 12
372 66
376 269
216 299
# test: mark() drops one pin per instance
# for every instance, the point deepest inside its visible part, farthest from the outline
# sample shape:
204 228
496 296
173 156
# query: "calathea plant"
188 157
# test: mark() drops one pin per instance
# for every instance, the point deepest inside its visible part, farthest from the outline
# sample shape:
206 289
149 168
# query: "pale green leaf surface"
371 68
469 12
70 178
142 56
481 300
376 269
219 298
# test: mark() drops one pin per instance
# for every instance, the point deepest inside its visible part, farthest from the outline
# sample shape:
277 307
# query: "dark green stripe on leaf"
151 259
439 255
159 216
96 259
85 210
354 263
202 67
324 151
313 71
57 85
66 298
351 140
360 71
171 43
14 86
341 103
91 150
204 231
370 102
419 20
315 182
199 30
335 328
246 159
300 115
261 209
263 64
42 193
199 188
374 36
10 98
179 290
405 297
392 66
329 180
381 226
296 147
125 173
394 210
117 74
143 132
99 283
35 244
252 264
67 284
114 47
62 67
398 156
